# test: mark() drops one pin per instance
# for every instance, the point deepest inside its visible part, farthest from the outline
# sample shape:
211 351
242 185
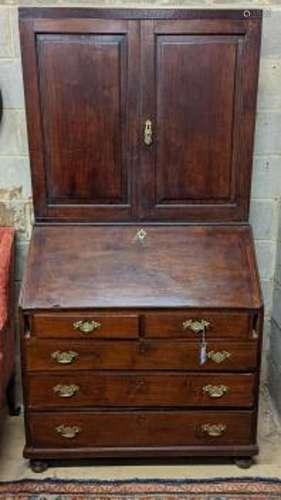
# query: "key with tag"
203 347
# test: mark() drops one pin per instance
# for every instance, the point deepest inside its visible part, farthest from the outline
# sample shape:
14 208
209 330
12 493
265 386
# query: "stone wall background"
15 185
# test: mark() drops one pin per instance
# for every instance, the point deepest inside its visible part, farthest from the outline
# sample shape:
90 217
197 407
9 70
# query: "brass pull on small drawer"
68 431
147 137
218 357
66 391
87 326
195 326
213 430
64 358
215 391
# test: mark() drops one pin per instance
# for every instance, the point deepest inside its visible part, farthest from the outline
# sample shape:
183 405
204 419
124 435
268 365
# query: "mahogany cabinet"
141 309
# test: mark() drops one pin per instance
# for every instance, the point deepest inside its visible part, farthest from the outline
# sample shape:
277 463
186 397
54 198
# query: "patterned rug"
205 489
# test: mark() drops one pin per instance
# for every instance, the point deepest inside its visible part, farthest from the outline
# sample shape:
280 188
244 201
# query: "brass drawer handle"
218 357
213 430
215 391
64 358
88 326
68 431
66 391
195 326
147 136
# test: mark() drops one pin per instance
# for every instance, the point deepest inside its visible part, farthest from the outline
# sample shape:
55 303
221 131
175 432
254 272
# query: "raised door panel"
196 76
84 99
81 87
194 118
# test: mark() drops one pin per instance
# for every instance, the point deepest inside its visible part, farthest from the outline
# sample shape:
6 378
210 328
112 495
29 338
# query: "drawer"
138 355
139 428
181 324
140 389
90 325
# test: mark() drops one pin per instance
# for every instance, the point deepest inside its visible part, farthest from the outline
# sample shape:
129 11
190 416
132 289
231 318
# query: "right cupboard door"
198 105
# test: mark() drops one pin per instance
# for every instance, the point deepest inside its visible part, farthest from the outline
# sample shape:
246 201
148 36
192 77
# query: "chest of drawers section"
123 383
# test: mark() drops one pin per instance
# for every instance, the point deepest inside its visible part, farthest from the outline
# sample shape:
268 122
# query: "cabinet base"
39 457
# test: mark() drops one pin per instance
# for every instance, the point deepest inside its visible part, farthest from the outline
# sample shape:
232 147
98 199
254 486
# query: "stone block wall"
15 186
274 352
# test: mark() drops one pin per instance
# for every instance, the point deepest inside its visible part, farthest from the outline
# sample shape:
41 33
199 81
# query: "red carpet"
213 489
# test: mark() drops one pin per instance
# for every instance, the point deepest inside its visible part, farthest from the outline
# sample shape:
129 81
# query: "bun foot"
244 462
38 465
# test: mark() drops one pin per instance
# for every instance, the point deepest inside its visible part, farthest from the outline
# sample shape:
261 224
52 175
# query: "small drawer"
94 389
90 325
187 324
139 428
138 355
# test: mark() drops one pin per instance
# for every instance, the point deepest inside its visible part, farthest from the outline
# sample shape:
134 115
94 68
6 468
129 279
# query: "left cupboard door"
81 86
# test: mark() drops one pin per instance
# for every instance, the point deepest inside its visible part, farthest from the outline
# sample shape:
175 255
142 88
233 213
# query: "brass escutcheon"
141 235
215 391
66 391
218 357
64 358
87 326
68 431
147 135
213 430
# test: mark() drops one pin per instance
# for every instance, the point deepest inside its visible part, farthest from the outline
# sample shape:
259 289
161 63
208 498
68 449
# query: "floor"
268 463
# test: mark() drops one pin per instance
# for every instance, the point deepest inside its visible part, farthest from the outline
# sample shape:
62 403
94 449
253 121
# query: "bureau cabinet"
141 312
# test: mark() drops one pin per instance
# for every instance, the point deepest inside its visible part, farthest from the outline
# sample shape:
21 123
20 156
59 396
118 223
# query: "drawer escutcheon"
68 431
213 430
215 391
66 391
87 326
64 358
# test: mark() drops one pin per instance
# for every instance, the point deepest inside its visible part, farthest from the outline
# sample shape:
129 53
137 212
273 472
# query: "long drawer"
121 429
139 389
134 355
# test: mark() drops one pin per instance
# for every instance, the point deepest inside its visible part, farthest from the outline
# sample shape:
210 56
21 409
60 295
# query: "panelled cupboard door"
81 94
199 81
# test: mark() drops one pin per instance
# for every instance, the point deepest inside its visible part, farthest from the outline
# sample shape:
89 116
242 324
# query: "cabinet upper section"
140 114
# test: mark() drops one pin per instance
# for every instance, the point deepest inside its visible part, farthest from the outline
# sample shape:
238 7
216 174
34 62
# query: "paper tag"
203 353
